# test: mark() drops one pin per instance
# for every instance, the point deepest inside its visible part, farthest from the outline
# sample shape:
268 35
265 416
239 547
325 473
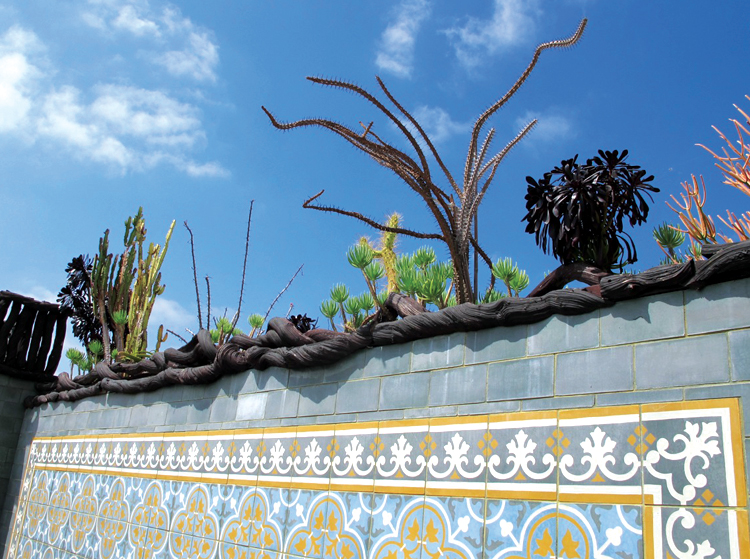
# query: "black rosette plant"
578 211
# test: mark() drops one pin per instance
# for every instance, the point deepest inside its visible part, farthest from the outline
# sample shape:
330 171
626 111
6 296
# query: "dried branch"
244 264
208 311
195 275
281 293
371 222
176 335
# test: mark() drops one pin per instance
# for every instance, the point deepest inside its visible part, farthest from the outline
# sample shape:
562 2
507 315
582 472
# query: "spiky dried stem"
244 264
208 310
453 213
281 293
195 275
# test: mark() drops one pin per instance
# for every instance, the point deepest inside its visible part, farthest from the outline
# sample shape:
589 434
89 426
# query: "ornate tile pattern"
644 481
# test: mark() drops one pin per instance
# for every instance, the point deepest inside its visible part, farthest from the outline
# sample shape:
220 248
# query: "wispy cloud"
551 126
17 77
396 50
512 22
172 41
124 127
438 124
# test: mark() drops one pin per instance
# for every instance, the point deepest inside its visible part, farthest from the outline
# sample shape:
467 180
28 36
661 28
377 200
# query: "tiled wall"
680 349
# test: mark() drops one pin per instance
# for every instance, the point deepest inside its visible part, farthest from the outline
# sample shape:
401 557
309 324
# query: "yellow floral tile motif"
252 534
149 523
83 517
38 502
112 523
59 509
194 528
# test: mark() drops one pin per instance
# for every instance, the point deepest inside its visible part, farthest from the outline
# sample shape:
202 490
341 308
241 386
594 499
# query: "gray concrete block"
223 409
358 396
165 394
387 360
648 318
439 352
722 306
272 378
306 377
517 380
464 385
336 418
317 400
598 370
404 391
350 368
489 407
124 400
735 390
388 415
496 344
157 414
564 333
739 354
251 406
309 420
685 361
138 416
282 403
559 403
640 397
193 392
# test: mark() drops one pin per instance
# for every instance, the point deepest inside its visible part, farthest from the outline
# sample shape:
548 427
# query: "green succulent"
255 321
519 282
374 271
382 297
339 293
120 317
96 348
352 305
75 356
329 308
491 296
360 256
423 257
366 302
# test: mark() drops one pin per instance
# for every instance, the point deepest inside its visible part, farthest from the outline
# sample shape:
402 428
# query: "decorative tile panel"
636 481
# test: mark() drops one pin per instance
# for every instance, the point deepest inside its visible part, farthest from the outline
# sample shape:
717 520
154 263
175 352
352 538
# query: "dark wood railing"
31 337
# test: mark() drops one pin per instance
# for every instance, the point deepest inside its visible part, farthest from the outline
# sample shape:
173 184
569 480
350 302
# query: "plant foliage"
578 211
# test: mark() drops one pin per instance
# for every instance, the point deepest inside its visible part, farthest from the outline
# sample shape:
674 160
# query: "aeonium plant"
578 211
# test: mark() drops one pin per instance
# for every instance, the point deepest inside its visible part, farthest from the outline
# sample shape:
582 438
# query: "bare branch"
422 133
195 275
176 335
281 293
570 41
371 222
208 311
244 264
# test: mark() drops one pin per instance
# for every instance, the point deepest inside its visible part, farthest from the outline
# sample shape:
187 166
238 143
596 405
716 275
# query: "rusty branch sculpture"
454 212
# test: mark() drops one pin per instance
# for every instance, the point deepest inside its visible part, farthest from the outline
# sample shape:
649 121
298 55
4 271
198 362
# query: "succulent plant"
256 323
515 280
578 210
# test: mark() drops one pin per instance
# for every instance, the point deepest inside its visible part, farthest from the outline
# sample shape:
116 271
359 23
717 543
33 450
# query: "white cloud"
198 59
171 314
438 124
396 51
512 22
173 41
17 77
549 128
125 127
128 20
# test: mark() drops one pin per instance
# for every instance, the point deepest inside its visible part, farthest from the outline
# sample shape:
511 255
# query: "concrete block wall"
688 345
12 393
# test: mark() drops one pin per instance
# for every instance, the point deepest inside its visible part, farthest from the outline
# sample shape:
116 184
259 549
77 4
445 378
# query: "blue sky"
107 105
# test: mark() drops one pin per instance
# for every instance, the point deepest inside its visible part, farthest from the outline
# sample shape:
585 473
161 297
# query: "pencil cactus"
124 289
